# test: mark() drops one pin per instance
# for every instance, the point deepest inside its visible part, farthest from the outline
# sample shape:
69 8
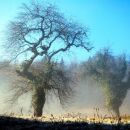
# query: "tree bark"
117 112
38 100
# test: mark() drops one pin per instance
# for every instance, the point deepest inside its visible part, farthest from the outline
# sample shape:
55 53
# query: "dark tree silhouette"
41 32
112 74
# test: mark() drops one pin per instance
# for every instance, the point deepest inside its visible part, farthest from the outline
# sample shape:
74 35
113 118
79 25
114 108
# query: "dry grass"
76 117
72 121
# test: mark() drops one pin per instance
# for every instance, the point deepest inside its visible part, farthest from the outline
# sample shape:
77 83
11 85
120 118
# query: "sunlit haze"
108 23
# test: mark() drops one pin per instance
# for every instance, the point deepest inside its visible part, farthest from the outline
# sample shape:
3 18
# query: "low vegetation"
74 122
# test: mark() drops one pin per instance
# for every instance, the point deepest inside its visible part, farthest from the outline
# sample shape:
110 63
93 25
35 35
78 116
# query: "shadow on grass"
12 123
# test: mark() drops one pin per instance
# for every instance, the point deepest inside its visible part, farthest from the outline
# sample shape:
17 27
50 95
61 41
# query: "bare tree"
110 71
40 30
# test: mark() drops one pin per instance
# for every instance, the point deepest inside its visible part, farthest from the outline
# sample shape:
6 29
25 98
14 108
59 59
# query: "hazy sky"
108 20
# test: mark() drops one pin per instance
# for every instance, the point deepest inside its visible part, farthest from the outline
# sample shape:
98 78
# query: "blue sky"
108 21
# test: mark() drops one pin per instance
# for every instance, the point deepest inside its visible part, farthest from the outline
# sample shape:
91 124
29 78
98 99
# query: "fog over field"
86 99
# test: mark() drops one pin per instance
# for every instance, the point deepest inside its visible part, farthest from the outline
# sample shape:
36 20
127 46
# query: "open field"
66 122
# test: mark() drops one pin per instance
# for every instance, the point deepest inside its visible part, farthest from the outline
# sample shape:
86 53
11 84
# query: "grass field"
64 122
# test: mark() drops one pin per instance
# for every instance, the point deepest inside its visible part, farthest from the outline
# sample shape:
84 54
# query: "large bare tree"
41 32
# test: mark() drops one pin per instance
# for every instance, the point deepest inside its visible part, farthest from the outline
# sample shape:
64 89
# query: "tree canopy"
42 30
110 72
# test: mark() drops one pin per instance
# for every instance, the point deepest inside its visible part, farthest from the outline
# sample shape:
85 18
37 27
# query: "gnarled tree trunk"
117 112
38 100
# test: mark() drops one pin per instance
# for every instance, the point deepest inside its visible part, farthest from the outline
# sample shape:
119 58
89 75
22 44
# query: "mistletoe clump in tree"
112 74
41 32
